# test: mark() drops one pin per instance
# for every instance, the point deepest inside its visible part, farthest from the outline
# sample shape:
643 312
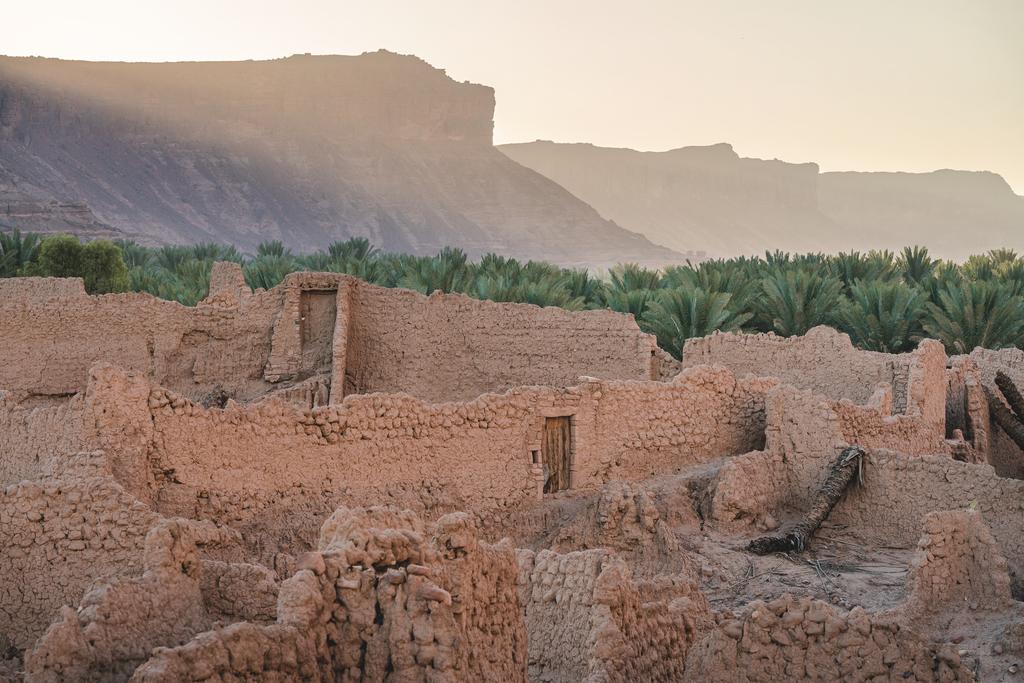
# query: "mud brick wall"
1003 453
791 638
635 430
382 596
900 491
453 347
80 526
589 619
121 621
825 361
52 332
30 435
228 464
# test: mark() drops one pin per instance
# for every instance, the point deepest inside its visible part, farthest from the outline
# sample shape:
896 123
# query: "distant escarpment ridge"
307 150
711 198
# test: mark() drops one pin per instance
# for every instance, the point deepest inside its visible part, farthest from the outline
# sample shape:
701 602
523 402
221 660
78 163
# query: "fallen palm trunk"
1013 397
1006 420
845 469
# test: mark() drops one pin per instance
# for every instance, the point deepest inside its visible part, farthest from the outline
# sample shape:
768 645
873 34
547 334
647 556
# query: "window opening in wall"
556 452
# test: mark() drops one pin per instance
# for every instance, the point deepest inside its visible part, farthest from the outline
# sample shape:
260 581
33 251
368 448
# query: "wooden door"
556 449
318 311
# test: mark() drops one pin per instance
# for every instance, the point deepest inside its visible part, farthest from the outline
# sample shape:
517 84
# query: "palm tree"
170 257
630 288
352 249
883 316
675 315
633 301
794 301
967 315
135 255
446 272
549 292
267 271
272 248
211 251
979 267
17 251
582 285
915 265
733 277
626 277
852 266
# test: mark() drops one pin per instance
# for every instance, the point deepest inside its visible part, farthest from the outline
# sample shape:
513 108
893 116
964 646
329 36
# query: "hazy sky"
863 85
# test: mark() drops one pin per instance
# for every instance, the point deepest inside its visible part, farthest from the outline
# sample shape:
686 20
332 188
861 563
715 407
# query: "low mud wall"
804 435
59 533
590 620
826 362
52 332
453 347
31 435
272 468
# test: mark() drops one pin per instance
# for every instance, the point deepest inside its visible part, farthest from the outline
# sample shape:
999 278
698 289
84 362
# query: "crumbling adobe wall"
803 433
793 639
900 490
590 620
271 469
1003 453
227 465
443 347
118 624
635 430
958 566
59 533
52 332
452 347
825 361
627 517
558 598
967 410
381 599
31 434
645 628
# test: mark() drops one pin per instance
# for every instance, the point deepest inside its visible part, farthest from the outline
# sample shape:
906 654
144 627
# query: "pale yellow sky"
860 85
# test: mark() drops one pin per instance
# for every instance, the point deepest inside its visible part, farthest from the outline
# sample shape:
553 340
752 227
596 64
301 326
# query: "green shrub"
103 268
61 256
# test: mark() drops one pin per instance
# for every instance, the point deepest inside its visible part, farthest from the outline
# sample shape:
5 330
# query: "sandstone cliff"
712 199
305 149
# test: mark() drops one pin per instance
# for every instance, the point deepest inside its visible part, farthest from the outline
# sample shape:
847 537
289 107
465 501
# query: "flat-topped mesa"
712 199
307 150
374 95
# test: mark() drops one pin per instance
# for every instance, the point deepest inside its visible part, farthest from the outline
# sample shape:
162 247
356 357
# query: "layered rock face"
711 199
305 149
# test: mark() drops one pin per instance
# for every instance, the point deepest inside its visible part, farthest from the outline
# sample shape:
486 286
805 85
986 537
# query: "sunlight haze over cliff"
874 85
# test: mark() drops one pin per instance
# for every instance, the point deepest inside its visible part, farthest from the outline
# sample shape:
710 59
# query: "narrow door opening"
318 310
556 451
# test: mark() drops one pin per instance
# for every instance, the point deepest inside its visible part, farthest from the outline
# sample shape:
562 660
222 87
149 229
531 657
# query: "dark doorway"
556 449
318 310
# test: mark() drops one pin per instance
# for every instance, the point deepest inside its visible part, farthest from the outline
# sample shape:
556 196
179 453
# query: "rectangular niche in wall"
318 310
556 451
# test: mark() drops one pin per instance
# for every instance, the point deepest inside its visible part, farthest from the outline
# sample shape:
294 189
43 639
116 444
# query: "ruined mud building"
331 481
